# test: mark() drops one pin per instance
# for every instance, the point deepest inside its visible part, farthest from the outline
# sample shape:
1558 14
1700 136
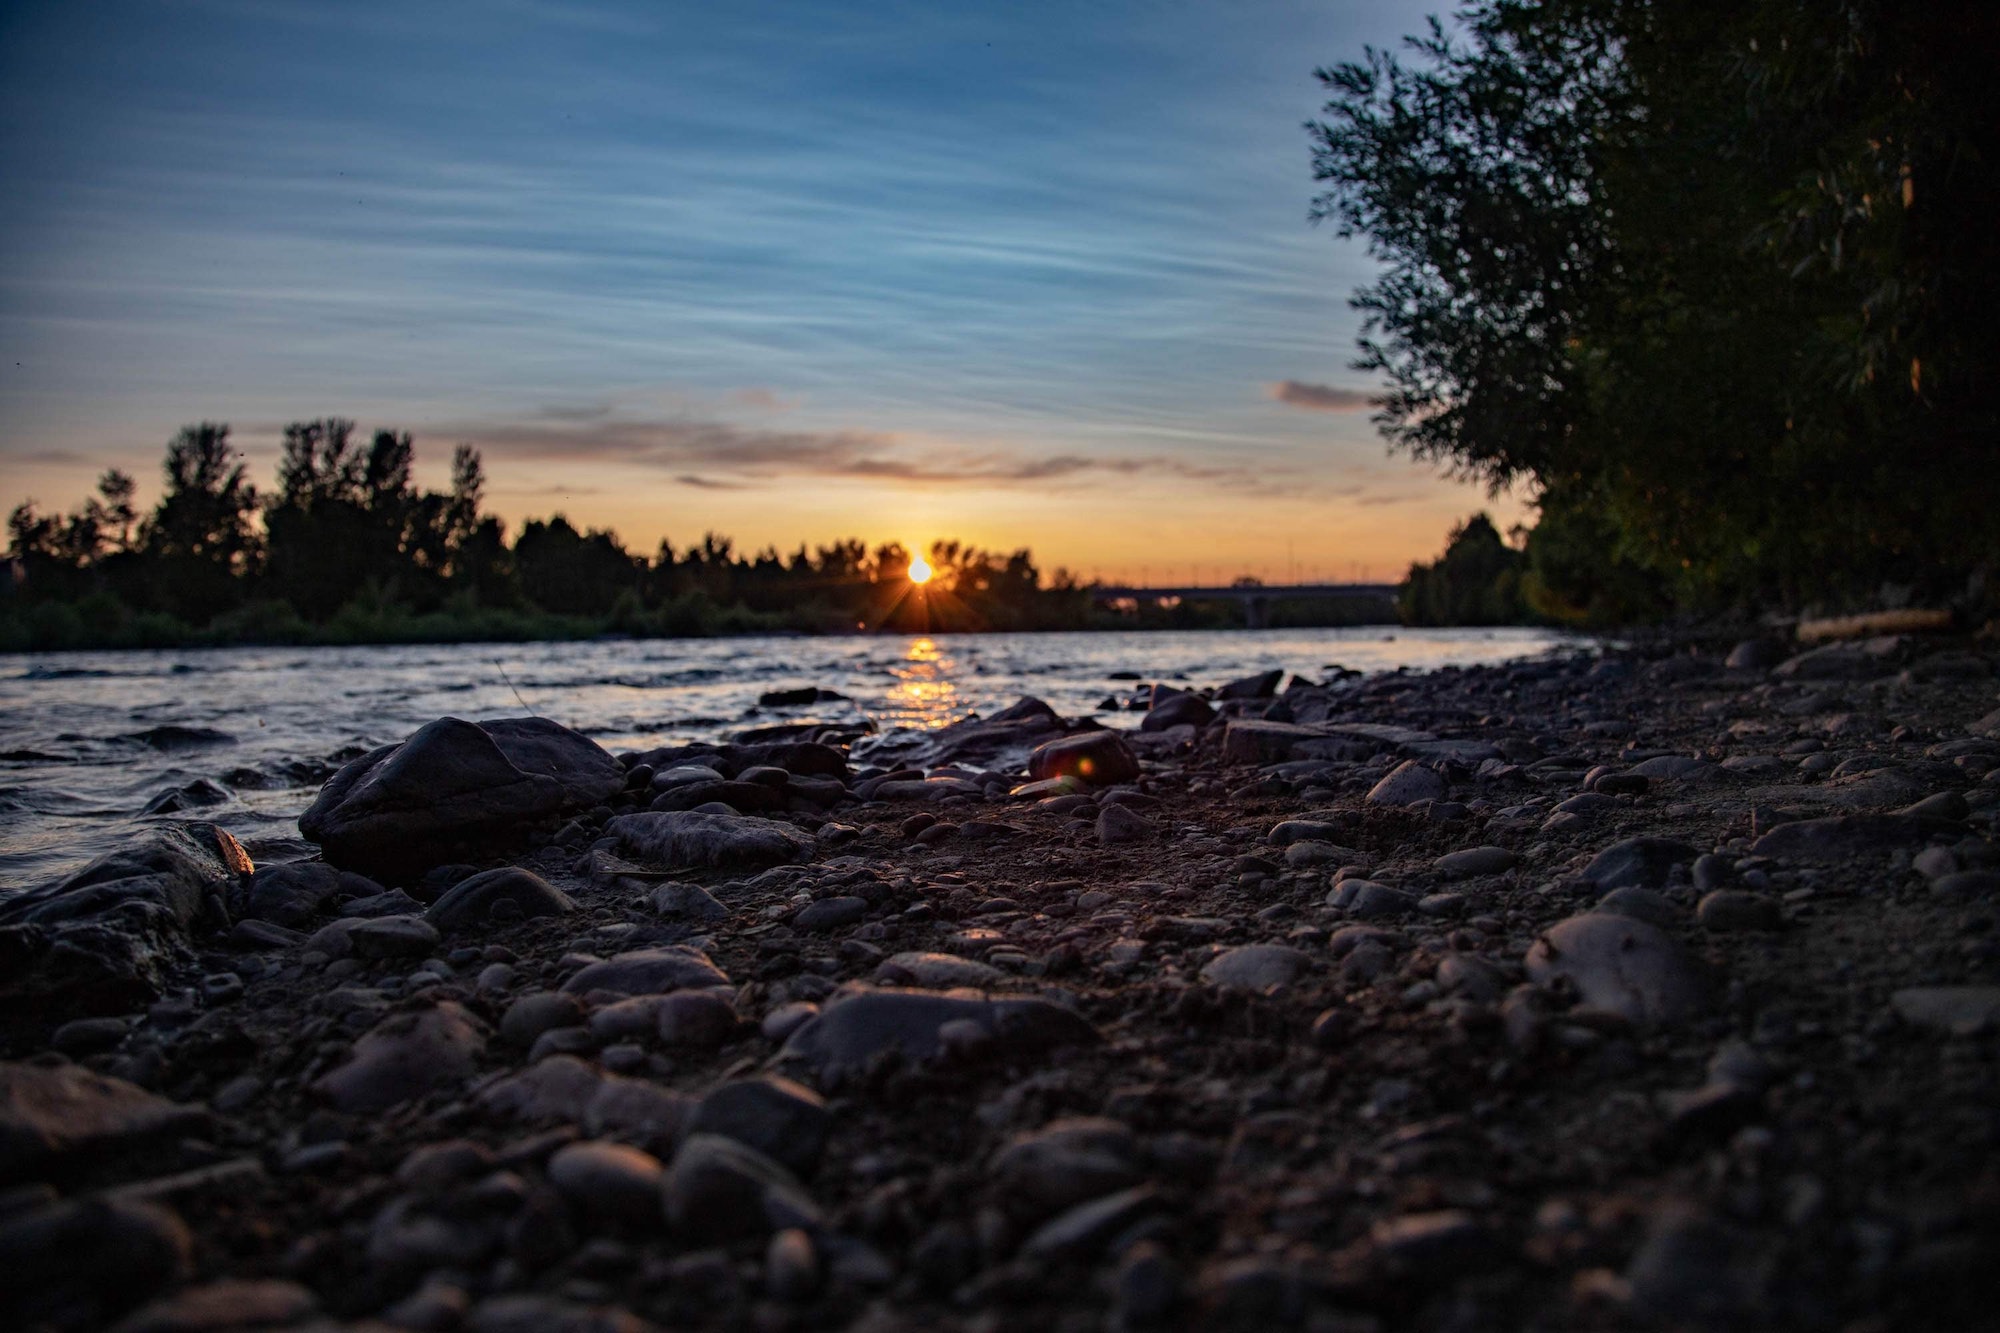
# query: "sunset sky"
1021 274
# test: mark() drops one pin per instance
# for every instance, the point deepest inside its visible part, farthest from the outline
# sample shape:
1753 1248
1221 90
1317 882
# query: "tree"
1713 278
200 539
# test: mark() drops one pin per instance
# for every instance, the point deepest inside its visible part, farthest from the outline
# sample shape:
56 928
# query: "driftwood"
1911 621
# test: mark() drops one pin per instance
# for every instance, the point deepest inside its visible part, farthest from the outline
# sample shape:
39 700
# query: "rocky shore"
1595 992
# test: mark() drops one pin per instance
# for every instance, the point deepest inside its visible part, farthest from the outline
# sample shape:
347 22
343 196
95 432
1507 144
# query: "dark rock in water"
1642 862
690 840
1263 685
721 1189
849 1033
51 1116
795 698
79 1262
1177 708
648 972
405 1056
785 1121
472 901
1843 836
197 795
1100 758
1623 965
103 939
455 790
172 738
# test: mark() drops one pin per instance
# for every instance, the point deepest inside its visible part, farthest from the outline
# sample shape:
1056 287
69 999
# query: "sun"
920 570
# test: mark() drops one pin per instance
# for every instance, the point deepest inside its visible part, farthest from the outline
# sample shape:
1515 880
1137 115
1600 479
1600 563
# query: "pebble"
1622 965
1476 861
722 1189
648 972
784 1120
510 892
1731 910
1638 862
1263 968
1065 1163
855 1028
531 1015
1407 784
393 937
609 1180
831 913
406 1056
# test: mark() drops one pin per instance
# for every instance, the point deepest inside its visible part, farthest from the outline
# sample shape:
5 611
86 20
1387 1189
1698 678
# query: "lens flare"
920 570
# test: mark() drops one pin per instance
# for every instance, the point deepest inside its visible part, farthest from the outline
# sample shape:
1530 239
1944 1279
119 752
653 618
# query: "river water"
89 740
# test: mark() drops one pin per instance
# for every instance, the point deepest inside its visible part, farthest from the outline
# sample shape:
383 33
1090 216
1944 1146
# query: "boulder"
104 939
1101 758
1175 709
456 790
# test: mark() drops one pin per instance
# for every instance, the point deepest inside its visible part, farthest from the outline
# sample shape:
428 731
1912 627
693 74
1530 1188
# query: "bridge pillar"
1254 614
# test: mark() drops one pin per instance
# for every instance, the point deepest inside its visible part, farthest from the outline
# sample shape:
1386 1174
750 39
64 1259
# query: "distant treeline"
347 549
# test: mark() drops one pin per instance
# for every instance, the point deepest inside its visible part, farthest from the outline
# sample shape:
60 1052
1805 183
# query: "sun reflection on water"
925 695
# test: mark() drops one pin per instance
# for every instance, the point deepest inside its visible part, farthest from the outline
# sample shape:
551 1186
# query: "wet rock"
1067 1162
1101 758
200 794
1727 911
1641 862
1471 861
1843 836
1116 825
393 937
831 913
785 1121
1178 709
291 895
722 1189
1621 965
1406 784
1263 685
648 972
232 1303
106 939
609 1180
856 1028
940 971
405 1056
456 790
52 1116
1962 1010
692 840
516 894
80 1262
1261 968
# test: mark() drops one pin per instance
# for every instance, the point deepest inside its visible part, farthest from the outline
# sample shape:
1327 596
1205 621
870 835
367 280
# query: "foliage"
1477 581
1713 280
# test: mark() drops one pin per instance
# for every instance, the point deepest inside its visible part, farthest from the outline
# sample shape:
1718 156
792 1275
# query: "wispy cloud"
1319 397
716 455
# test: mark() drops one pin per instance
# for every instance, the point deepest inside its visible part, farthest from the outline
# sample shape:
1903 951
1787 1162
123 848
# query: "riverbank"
1576 993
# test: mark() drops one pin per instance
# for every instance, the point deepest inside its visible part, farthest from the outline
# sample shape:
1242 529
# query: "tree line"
1713 280
347 548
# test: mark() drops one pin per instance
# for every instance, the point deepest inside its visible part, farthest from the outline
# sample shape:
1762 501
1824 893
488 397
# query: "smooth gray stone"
1262 968
855 1028
470 902
692 840
649 972
786 1121
1623 965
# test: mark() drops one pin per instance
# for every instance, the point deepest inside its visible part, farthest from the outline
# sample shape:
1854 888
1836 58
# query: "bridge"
1255 599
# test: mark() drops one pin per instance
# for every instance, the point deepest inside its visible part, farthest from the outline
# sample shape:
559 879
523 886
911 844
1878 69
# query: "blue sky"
1023 274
